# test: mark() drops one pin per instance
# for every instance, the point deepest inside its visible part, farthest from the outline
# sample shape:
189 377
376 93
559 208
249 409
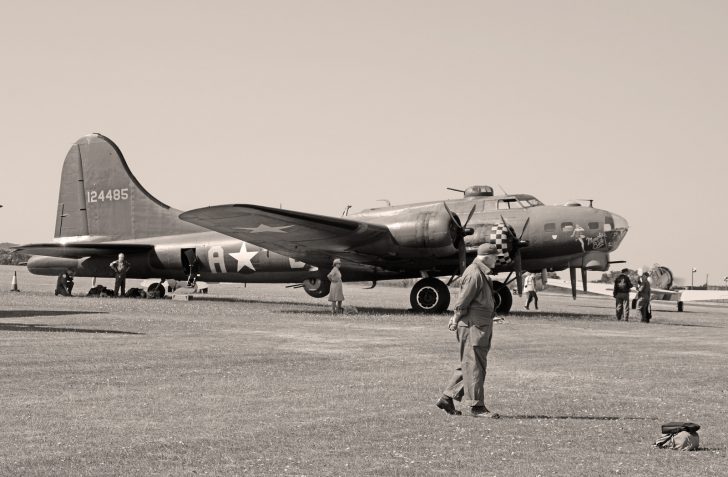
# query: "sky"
316 105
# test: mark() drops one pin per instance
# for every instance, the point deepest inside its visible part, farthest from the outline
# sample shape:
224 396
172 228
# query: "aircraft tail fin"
101 199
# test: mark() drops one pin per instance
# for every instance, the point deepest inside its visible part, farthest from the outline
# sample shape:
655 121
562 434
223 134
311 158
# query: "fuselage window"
567 226
550 227
594 225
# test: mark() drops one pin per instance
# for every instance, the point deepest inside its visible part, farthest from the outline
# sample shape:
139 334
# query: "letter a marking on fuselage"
216 256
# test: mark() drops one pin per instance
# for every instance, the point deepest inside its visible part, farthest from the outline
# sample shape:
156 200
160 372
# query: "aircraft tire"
430 295
155 290
317 287
503 298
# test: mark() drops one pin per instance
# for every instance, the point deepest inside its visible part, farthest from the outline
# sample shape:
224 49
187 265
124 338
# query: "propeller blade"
583 278
523 230
519 271
470 216
572 275
453 217
509 231
462 256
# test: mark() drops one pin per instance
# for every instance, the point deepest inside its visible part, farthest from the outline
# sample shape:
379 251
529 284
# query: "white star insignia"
265 228
244 257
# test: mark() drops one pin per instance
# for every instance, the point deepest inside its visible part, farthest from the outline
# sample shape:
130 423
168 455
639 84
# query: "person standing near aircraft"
531 289
473 321
336 293
643 297
120 267
622 286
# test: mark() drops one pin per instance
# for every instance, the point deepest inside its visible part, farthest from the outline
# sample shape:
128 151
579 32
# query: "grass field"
264 381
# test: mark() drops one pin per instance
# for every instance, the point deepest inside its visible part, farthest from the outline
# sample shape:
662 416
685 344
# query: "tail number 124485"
107 195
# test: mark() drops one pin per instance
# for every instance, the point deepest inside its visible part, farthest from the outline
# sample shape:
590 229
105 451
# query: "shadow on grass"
31 313
323 307
689 325
562 315
55 329
586 418
228 299
577 305
361 310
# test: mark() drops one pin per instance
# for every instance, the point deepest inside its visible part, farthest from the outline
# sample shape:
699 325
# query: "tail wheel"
502 297
430 295
155 290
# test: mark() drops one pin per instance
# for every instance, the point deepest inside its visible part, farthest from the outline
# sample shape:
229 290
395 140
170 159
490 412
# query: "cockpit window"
608 223
518 202
510 203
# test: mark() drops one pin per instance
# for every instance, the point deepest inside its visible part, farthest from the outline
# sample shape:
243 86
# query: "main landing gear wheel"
317 287
430 295
502 297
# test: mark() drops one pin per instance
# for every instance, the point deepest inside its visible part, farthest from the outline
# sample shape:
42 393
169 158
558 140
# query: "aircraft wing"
703 295
658 294
312 238
80 250
593 287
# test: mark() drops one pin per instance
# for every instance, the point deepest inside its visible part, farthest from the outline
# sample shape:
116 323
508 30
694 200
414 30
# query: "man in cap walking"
473 322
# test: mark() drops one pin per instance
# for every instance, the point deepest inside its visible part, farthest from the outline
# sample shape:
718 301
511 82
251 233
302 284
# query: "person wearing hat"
622 286
643 297
120 267
336 294
473 323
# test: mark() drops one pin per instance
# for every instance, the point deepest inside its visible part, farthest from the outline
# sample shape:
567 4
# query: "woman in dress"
336 294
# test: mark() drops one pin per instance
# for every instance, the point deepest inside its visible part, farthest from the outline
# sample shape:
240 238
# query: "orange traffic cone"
14 284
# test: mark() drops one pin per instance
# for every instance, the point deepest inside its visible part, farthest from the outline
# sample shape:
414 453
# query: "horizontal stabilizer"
80 250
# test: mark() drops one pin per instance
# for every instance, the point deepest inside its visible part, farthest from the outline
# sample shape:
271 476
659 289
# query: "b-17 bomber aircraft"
103 210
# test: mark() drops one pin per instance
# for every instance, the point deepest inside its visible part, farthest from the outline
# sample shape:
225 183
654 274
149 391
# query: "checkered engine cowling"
499 237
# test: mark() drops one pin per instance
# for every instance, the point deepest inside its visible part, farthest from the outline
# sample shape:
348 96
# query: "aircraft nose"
620 223
620 228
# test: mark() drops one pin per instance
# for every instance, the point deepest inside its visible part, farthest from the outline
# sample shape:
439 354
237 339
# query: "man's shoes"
524 306
445 403
480 411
